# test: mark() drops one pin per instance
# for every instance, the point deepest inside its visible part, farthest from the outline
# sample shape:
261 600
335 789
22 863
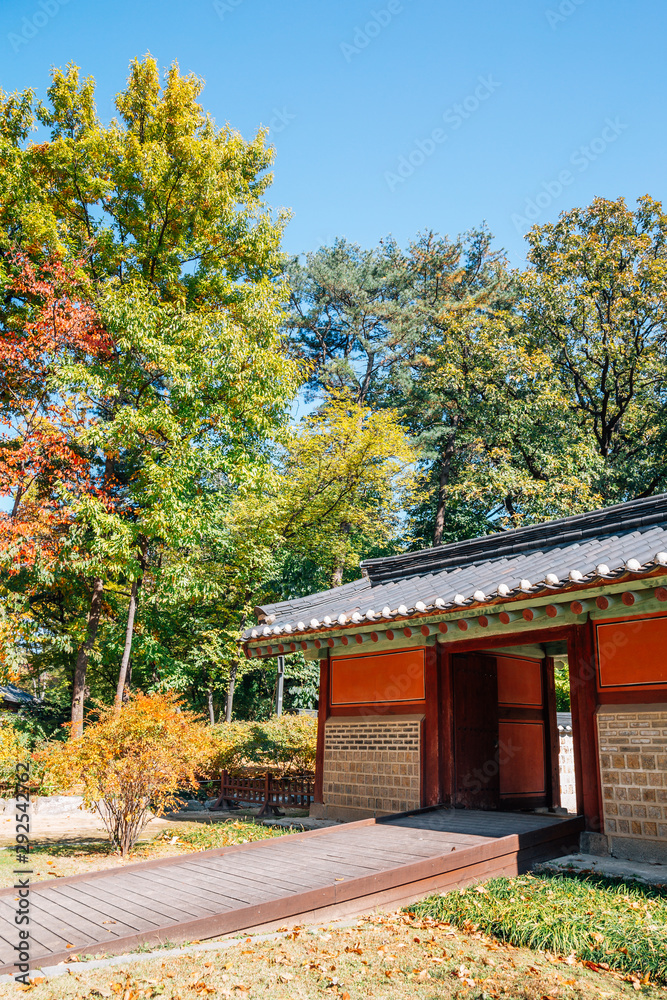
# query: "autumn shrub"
133 763
286 744
13 750
22 741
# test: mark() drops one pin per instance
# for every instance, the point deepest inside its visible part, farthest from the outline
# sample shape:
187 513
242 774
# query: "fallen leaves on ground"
383 957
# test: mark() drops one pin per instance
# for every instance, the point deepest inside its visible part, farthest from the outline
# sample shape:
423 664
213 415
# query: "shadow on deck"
315 876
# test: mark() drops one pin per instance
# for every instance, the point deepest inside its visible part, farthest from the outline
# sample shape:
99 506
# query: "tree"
159 195
442 387
509 457
346 476
596 302
411 331
191 642
554 394
42 465
185 404
166 211
40 461
348 316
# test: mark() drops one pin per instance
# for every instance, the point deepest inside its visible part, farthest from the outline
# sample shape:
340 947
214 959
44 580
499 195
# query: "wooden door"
525 731
475 703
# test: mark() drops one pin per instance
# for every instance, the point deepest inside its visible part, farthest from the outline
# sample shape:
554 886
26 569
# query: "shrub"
232 746
41 721
13 749
133 763
17 744
287 743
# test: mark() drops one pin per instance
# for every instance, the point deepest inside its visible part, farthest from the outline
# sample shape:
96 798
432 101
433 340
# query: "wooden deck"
317 875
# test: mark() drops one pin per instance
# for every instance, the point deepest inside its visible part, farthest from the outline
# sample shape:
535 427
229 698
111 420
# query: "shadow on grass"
76 847
651 890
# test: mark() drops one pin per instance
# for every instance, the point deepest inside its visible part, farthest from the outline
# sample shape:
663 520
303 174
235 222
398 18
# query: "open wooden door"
475 704
525 730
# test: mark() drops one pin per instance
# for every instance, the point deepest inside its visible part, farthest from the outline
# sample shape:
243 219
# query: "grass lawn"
72 857
395 957
609 924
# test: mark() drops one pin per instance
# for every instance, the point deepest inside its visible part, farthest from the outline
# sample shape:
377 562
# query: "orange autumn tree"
132 763
46 324
41 461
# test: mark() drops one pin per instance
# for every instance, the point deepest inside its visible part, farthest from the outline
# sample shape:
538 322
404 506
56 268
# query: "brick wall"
568 794
633 763
371 766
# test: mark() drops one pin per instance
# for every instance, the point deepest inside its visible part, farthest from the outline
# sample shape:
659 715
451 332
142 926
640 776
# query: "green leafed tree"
164 209
595 301
349 317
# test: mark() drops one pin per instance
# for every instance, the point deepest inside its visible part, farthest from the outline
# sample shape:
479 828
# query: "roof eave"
517 602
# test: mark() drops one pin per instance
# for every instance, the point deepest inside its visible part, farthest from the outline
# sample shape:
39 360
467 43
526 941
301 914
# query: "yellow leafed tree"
348 474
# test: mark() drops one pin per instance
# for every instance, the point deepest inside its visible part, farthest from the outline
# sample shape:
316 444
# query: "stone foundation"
633 764
372 766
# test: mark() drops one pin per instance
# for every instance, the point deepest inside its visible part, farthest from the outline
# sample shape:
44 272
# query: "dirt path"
75 825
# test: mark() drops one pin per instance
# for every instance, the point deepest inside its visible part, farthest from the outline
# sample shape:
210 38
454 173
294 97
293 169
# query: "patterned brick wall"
372 764
633 761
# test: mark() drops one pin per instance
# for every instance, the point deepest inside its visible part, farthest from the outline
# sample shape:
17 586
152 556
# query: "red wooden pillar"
447 769
322 715
583 693
431 785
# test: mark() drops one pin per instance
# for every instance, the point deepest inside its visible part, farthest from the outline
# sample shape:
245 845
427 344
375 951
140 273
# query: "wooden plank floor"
319 874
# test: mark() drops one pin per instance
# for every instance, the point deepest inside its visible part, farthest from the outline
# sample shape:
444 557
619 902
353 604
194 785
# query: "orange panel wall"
519 681
521 757
632 653
384 678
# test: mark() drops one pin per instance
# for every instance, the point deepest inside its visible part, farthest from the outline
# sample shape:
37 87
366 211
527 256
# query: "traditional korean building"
437 675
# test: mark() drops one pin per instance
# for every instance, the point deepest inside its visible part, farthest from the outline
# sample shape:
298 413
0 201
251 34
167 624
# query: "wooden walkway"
317 875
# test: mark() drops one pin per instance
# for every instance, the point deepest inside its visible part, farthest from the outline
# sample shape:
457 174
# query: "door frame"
447 721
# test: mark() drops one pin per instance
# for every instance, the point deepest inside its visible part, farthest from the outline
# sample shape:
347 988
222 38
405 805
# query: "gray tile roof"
564 722
603 545
11 694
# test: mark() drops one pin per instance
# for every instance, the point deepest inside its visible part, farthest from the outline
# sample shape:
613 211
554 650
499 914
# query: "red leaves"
41 461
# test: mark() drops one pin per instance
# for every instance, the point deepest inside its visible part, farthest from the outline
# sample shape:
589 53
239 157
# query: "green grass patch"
616 925
206 836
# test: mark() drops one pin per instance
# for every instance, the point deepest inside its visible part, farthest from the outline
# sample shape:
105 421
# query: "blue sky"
399 115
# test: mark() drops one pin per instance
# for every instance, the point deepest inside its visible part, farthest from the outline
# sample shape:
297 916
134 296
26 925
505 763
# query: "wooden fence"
266 791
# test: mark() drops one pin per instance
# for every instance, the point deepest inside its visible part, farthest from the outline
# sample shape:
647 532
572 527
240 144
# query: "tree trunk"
509 506
339 565
79 686
211 710
337 575
229 703
128 682
129 630
125 660
280 685
443 483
